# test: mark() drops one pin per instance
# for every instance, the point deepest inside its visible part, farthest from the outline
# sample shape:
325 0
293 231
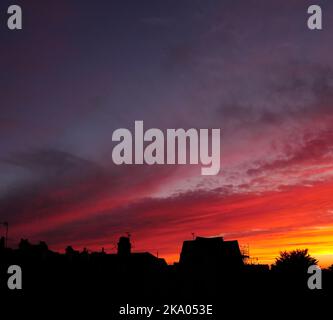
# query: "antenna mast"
5 224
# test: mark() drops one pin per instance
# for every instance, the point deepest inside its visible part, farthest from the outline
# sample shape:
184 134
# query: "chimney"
124 246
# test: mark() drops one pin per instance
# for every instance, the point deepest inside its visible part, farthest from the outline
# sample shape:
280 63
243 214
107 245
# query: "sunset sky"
80 69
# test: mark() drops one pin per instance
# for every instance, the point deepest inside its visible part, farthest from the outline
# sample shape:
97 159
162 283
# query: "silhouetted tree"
295 261
69 250
330 268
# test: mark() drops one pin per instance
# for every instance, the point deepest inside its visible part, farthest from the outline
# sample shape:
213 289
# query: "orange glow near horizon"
269 222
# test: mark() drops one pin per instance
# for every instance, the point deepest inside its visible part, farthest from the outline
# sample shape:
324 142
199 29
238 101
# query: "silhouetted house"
140 261
145 261
25 245
37 251
211 255
70 251
71 254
